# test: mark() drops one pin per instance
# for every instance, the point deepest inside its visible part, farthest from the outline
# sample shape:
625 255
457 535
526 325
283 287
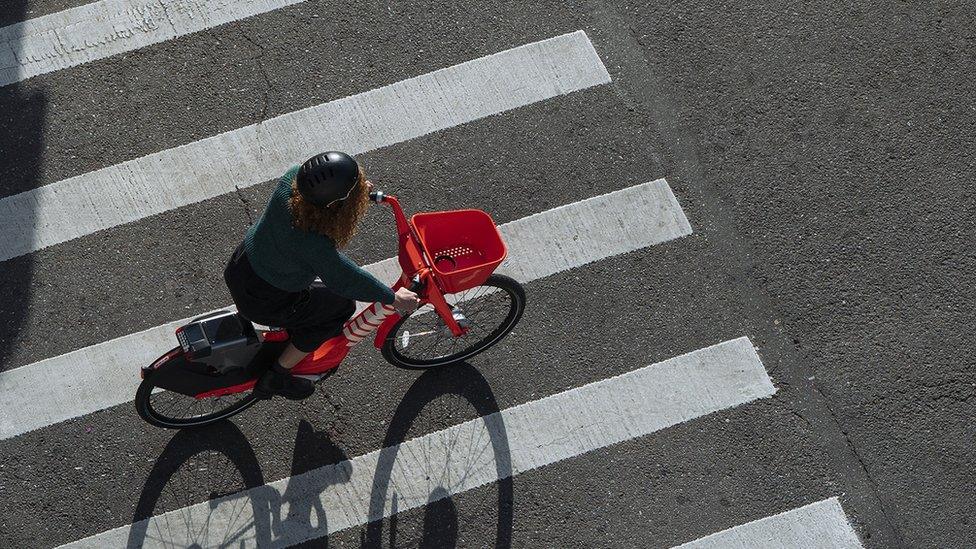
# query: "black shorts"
311 316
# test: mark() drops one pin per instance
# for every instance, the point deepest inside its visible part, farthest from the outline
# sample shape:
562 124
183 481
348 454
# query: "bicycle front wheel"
421 340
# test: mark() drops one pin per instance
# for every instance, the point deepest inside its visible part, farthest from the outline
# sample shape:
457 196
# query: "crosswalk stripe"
462 457
109 27
572 235
820 525
204 169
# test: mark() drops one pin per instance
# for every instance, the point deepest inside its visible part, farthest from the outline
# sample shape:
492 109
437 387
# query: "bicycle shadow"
185 472
218 466
440 520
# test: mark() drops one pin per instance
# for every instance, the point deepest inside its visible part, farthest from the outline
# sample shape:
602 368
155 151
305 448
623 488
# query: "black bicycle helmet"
327 178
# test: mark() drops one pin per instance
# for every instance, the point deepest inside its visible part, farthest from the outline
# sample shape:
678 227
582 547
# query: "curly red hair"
337 221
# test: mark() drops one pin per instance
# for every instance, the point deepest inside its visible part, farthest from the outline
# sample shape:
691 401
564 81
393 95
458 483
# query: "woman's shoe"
276 382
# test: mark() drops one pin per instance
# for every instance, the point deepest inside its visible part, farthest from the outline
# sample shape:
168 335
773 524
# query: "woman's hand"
406 301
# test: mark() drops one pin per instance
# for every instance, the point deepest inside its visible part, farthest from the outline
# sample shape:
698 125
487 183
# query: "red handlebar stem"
414 261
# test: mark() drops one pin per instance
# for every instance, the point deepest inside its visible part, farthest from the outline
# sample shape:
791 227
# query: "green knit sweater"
290 259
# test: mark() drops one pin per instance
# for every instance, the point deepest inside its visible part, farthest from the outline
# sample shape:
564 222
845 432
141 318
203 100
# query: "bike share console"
223 340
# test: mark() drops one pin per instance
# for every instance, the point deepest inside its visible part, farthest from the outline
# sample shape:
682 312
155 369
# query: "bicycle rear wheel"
421 340
174 410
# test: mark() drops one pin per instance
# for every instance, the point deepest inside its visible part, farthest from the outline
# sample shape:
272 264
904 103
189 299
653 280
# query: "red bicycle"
448 258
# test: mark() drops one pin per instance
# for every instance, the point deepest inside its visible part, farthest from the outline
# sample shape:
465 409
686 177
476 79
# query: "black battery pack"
223 340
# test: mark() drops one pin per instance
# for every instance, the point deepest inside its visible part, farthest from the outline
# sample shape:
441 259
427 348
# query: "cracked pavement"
264 71
244 204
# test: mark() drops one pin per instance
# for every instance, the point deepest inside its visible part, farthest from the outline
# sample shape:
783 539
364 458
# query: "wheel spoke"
175 408
491 310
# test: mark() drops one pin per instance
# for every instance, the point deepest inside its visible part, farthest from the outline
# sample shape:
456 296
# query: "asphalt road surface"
821 154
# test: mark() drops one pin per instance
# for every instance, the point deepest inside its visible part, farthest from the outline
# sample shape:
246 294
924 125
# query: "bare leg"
291 356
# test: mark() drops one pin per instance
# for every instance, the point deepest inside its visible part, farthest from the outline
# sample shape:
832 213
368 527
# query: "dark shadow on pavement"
207 464
217 465
440 525
22 111
306 519
440 521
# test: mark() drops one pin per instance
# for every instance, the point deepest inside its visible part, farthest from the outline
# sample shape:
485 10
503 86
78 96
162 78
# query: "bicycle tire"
146 410
506 284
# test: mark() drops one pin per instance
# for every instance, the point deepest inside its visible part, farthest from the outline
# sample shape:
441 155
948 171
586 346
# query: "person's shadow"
306 518
440 521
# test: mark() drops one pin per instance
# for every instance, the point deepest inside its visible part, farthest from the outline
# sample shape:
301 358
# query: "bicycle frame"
417 274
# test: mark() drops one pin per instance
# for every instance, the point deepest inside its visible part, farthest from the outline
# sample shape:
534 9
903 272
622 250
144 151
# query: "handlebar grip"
416 285
377 196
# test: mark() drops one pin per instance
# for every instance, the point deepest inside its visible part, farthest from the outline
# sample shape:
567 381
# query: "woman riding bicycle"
312 213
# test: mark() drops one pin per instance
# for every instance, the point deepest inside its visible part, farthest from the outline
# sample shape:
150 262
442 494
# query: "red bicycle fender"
384 329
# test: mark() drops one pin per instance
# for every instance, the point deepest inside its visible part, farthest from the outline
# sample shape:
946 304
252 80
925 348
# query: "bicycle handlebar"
416 285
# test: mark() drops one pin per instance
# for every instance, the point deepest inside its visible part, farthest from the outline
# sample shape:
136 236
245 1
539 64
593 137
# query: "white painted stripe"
539 245
583 232
110 27
820 525
462 457
191 173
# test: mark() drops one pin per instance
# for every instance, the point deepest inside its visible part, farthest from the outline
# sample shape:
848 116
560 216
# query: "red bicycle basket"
464 246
